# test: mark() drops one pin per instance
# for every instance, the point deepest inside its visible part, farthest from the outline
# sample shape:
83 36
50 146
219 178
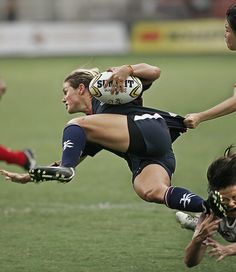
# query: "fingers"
220 258
119 85
4 173
56 163
218 253
210 240
116 84
191 120
213 253
112 69
7 175
1 171
217 250
189 123
117 79
209 226
210 220
212 243
16 177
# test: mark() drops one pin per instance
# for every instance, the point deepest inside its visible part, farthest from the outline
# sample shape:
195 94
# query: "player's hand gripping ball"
132 89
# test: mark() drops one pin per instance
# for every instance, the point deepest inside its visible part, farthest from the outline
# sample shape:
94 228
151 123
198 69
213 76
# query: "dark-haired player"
221 177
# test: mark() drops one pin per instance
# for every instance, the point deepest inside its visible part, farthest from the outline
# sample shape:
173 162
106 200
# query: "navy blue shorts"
156 146
150 143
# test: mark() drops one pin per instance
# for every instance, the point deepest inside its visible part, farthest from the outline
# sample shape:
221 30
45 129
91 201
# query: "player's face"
71 98
230 37
229 199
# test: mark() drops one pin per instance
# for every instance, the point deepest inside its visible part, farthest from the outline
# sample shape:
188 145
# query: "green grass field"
96 223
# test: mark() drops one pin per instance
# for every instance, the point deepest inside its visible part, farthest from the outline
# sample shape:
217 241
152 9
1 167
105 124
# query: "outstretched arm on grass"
16 177
195 250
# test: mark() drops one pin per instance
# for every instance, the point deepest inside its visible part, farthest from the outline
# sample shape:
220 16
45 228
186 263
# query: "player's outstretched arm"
16 177
148 73
142 70
228 106
195 250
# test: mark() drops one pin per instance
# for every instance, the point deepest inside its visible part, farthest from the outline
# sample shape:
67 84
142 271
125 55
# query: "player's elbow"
156 73
190 262
189 265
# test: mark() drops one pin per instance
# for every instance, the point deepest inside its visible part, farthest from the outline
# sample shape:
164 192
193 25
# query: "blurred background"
55 27
124 10
96 223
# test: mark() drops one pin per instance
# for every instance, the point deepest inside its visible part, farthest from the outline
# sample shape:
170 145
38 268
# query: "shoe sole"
52 173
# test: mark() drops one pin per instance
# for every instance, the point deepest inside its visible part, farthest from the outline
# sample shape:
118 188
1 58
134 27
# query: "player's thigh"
152 183
109 130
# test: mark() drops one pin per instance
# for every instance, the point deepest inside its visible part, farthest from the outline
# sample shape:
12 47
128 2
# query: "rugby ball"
132 89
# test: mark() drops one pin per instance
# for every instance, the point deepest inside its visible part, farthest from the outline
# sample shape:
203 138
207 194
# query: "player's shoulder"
227 229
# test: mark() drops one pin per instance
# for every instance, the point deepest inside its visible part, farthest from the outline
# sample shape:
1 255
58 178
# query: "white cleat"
187 221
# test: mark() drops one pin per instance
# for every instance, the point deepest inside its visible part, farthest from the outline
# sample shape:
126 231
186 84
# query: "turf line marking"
57 207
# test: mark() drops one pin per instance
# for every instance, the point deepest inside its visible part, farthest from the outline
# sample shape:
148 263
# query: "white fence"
54 39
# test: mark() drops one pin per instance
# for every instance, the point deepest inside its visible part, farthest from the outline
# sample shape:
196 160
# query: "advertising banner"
185 36
55 39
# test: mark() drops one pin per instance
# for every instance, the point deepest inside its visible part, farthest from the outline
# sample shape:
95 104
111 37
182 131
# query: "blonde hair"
81 75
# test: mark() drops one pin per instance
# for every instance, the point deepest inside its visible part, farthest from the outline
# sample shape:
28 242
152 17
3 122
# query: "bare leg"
109 130
152 183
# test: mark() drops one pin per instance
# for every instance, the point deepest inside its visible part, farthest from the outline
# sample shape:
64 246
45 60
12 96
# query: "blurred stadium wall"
69 27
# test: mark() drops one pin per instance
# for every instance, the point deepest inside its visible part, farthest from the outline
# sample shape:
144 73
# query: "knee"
89 129
82 123
77 121
152 195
